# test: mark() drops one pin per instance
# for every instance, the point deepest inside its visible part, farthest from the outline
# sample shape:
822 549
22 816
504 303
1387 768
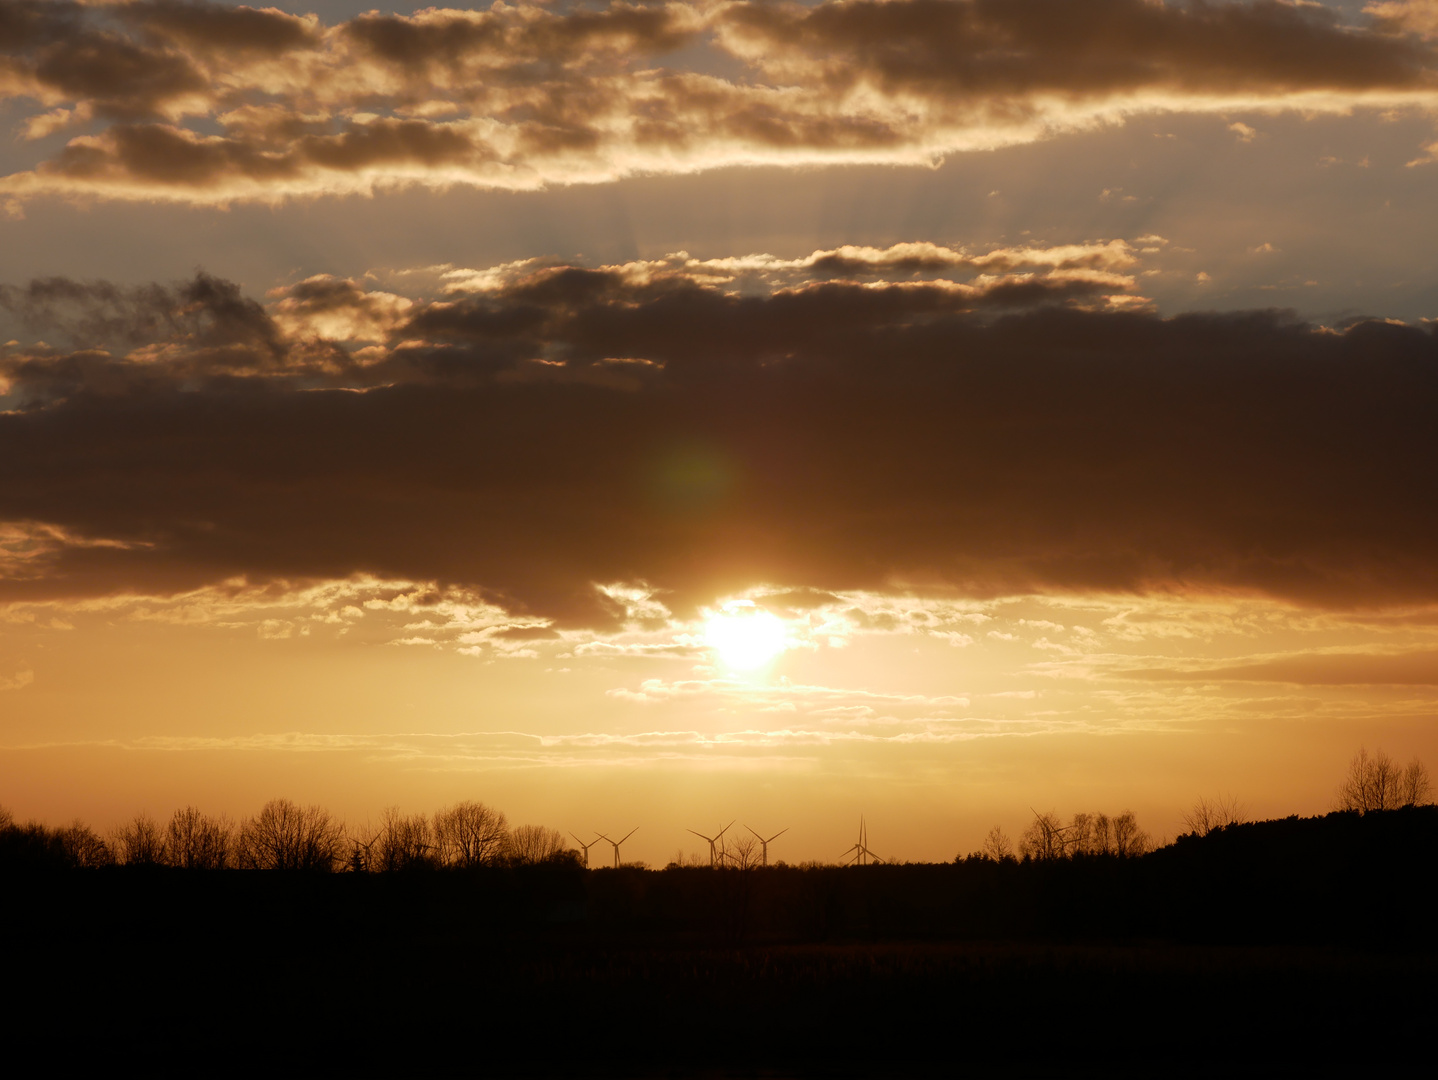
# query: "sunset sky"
658 414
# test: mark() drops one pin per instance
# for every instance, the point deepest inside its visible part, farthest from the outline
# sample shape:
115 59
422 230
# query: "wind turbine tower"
716 854
764 844
616 843
585 848
860 851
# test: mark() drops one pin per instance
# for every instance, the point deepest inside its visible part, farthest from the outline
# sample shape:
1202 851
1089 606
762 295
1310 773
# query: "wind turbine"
1052 834
585 848
764 844
861 851
616 843
715 854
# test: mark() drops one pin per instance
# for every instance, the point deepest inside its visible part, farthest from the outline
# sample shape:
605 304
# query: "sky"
661 414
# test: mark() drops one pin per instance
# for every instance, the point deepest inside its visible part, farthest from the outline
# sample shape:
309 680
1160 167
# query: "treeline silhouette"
457 943
1363 875
287 836
469 836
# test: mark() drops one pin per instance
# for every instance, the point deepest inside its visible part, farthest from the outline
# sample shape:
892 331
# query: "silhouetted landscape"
495 950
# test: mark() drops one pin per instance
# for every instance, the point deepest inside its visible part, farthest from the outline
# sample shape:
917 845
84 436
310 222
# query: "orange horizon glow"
934 413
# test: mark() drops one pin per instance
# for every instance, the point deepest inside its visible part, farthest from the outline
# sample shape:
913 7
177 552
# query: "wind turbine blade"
700 835
776 836
630 833
761 839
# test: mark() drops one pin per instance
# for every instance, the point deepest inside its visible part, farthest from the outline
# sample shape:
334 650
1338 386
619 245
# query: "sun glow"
745 637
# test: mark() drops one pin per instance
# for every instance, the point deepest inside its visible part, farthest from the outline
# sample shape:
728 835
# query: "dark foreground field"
1285 944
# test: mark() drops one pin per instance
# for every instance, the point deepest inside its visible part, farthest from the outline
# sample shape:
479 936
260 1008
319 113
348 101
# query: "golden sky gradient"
659 414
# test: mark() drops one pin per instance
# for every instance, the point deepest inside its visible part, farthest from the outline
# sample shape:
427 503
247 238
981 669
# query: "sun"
745 637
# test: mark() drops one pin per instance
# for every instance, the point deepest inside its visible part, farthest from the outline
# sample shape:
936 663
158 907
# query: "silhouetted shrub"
30 846
83 847
1210 815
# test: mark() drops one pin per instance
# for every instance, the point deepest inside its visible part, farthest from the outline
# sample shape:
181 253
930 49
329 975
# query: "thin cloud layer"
209 103
543 432
1418 668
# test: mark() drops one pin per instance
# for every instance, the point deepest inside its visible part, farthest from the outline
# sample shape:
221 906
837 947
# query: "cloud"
491 750
211 103
815 701
1429 155
1406 16
1004 434
18 681
29 550
513 313
1418 668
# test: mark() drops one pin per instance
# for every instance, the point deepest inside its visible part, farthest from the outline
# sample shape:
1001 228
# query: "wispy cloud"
1327 667
738 693
18 681
778 747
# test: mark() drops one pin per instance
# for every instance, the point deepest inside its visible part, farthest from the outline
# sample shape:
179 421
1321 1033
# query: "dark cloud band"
569 427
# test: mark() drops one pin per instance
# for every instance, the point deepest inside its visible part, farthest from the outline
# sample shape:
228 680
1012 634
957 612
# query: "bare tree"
1086 834
532 844
1090 834
1414 788
682 859
997 846
139 842
405 843
742 853
82 846
1371 783
196 841
1101 838
284 836
470 834
1128 839
1211 815
1376 782
1099 834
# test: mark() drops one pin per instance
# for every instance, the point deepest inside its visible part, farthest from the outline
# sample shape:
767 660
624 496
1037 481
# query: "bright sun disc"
745 638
